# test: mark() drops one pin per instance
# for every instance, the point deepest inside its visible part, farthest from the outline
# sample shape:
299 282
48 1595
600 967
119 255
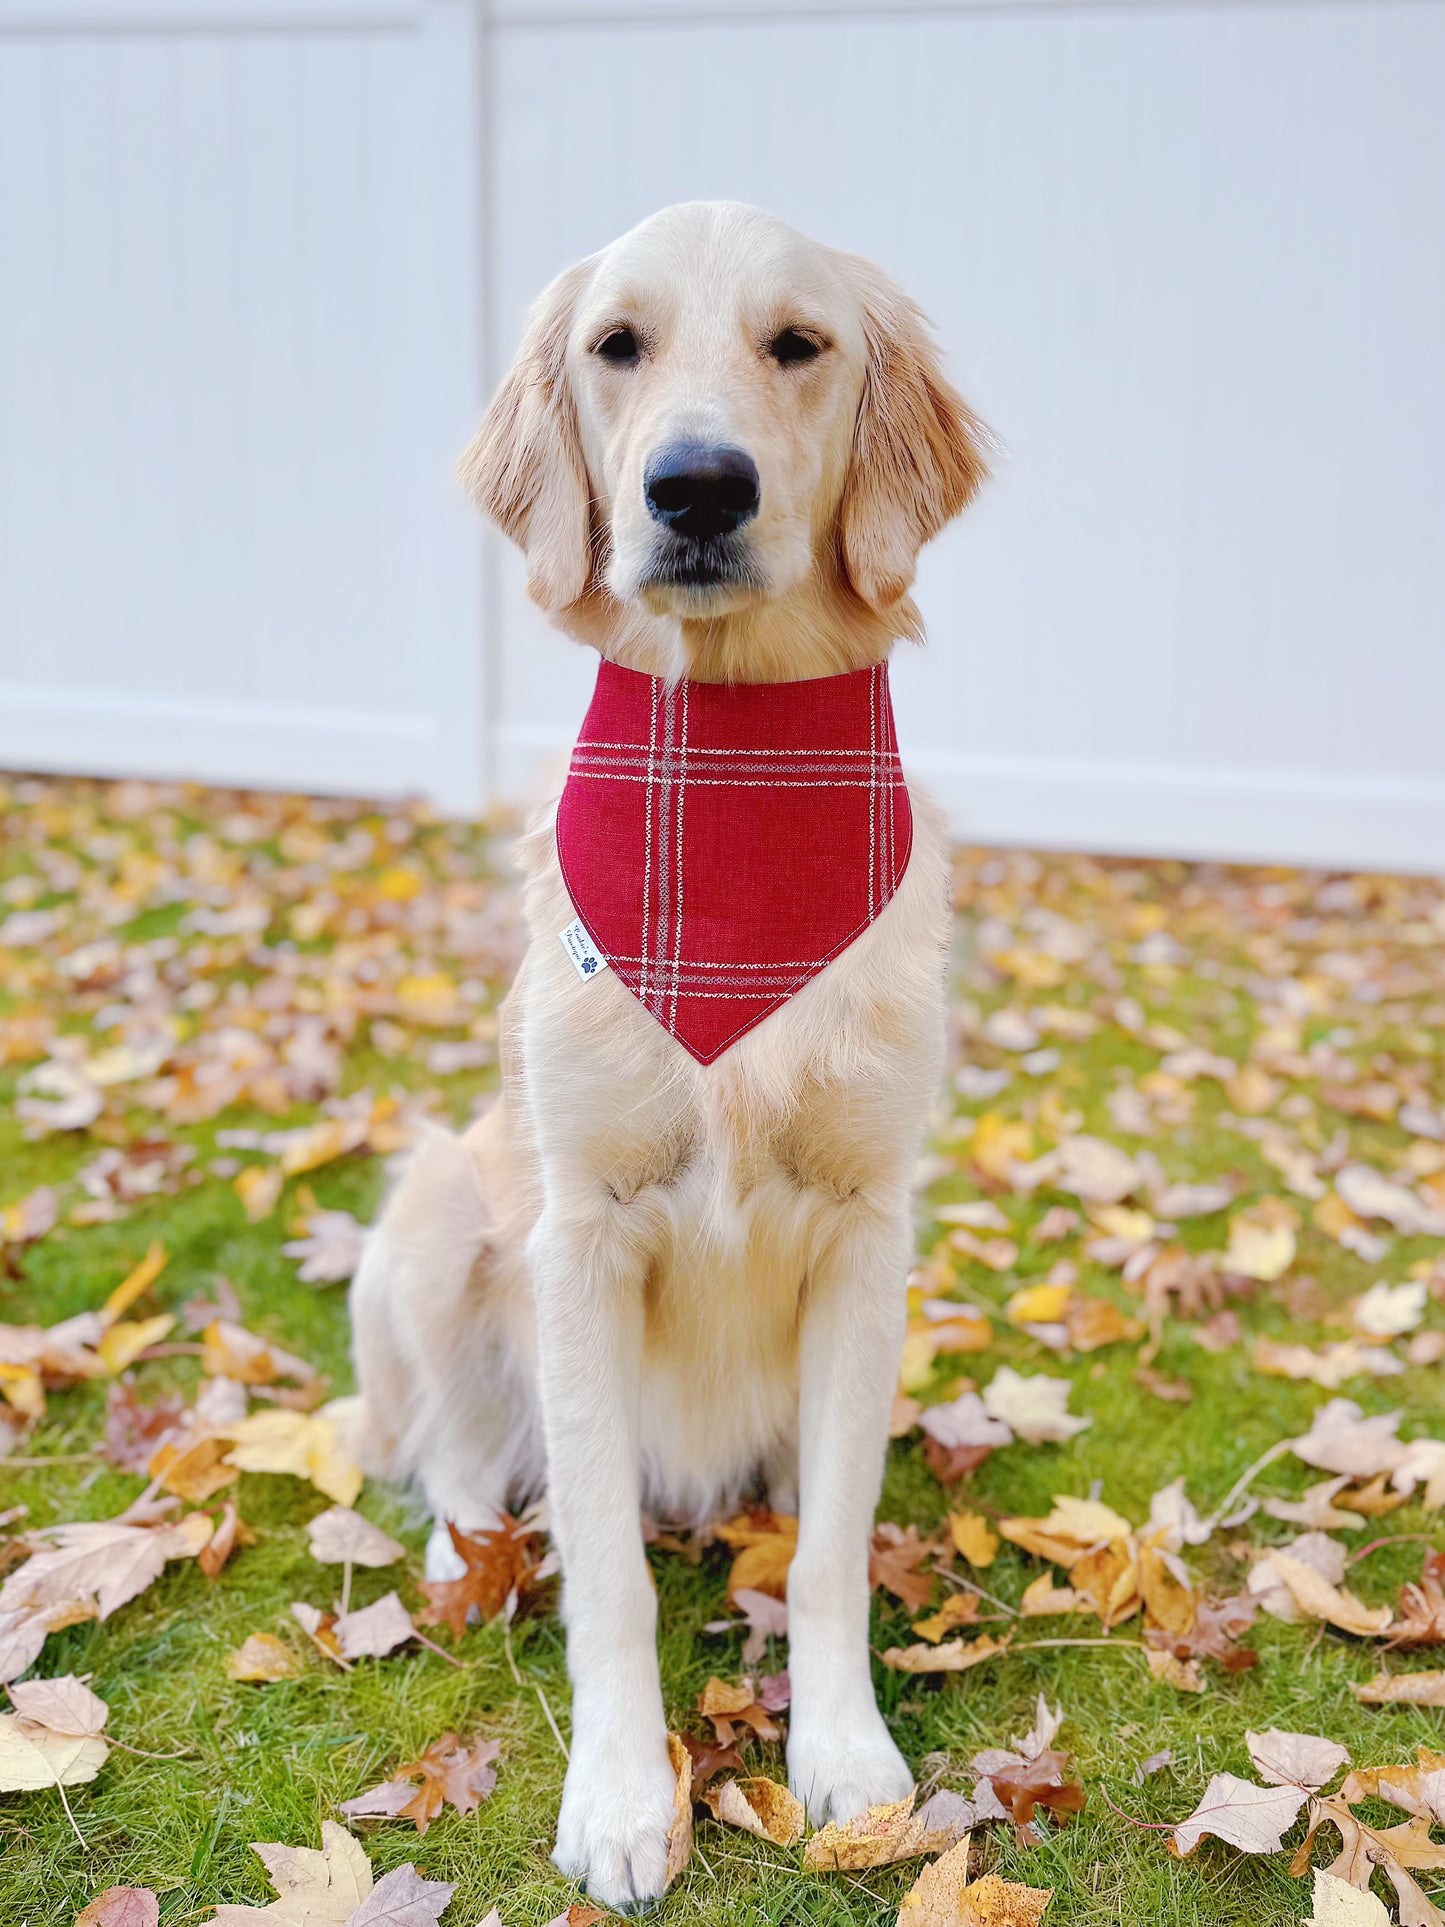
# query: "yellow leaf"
193 1470
1262 1240
398 885
973 1539
139 1281
998 1143
1039 1304
1167 1603
22 1389
1318 1599
258 1187
915 1366
301 1443
760 1807
959 1609
1044 1600
123 1344
942 1896
263 1659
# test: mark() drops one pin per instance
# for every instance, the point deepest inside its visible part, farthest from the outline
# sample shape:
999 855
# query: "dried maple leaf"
1038 1782
1036 1408
502 1564
121 1907
765 1618
450 1772
894 1557
230 1351
304 1444
54 1737
1316 1598
334 1888
760 1807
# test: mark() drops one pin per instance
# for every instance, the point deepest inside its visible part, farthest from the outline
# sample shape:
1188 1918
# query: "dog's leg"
840 1756
617 1805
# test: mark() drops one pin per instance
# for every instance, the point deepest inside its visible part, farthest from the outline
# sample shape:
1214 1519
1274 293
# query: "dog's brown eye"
791 346
619 346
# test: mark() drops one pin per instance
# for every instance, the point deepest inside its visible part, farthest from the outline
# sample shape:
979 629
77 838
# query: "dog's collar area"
722 843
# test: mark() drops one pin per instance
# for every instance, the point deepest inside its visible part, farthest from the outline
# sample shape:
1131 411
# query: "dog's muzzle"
701 495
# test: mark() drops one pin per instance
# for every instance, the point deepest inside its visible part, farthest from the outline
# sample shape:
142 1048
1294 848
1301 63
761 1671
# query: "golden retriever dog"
644 1281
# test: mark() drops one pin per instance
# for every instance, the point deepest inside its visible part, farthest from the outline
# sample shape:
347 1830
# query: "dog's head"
714 410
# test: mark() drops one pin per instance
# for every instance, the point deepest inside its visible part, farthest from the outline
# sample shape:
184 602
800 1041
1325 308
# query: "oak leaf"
894 1557
502 1565
451 1773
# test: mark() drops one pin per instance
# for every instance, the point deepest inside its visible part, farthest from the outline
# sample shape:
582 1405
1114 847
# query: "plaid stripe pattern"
722 843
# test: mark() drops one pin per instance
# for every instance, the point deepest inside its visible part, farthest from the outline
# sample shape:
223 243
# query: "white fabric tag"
586 958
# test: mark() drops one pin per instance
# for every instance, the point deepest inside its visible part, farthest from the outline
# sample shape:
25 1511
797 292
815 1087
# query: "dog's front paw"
613 1828
839 1768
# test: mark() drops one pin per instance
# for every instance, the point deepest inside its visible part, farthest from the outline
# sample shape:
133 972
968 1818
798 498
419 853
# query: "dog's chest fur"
729 1178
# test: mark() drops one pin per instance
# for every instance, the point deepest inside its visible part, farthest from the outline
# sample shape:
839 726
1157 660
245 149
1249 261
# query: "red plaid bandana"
722 843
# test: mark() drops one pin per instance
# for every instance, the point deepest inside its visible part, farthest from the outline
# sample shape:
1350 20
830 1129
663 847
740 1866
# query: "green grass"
270 1763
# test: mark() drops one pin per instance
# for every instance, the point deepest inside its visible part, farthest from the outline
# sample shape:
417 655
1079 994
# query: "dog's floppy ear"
918 449
525 468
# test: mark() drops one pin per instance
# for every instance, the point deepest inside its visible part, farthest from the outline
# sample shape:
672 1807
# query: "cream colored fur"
640 1280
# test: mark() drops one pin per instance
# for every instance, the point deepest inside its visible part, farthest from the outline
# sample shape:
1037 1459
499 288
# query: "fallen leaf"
1318 1599
1338 1904
1389 1311
303 1444
1330 1366
53 1738
135 1284
973 1539
1035 1408
502 1565
228 1350
1262 1240
326 1887
340 1536
1097 1171
959 1609
943 1897
1255 1819
375 1630
764 1543
1295 1759
330 1251
894 1556
876 1838
953 1656
679 1834
451 1773
1403 1689
262 1658
121 1907
760 1807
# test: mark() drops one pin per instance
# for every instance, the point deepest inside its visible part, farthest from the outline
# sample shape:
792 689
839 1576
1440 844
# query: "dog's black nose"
697 490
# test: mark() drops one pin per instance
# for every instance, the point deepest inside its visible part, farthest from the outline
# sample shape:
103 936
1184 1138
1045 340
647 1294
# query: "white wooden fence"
260 261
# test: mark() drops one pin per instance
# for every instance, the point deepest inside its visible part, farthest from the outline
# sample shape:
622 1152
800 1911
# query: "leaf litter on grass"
1199 1142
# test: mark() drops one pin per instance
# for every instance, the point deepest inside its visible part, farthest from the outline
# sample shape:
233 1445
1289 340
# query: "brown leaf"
893 1561
133 1431
943 1896
1038 1782
121 1907
501 1564
451 1774
709 1759
729 1707
229 1534
1420 1620
1213 1635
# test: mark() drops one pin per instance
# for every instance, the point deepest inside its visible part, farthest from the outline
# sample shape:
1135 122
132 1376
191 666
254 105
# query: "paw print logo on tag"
586 959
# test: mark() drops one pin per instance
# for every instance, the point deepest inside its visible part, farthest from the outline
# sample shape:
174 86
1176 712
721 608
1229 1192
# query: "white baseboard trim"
252 745
1313 817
